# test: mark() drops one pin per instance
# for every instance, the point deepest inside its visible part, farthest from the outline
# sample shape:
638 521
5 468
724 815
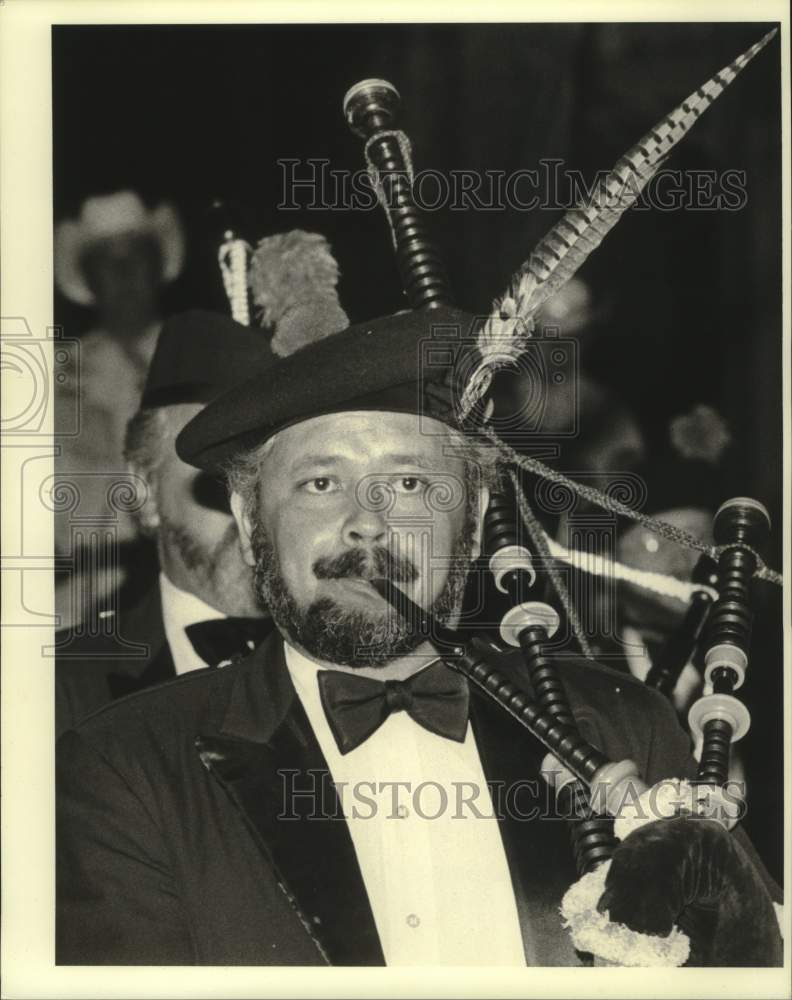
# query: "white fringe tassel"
233 258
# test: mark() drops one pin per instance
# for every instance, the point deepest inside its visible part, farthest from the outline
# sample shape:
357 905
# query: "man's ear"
243 528
146 491
483 503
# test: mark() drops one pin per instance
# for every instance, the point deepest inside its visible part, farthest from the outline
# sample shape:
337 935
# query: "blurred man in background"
201 577
114 259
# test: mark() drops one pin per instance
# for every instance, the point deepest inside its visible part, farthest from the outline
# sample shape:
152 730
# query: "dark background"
689 302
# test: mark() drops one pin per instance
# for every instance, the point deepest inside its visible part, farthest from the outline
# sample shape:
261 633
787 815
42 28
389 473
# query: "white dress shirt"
180 609
436 874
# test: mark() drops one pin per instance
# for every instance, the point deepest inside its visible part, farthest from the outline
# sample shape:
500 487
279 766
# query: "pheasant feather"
564 249
568 244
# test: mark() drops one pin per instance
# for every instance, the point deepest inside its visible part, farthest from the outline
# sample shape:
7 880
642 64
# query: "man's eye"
410 484
320 484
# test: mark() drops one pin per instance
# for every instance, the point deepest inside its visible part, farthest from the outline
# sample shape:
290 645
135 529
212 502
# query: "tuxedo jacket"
92 669
170 849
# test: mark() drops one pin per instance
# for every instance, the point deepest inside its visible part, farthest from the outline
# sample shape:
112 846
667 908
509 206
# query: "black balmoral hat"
405 363
200 354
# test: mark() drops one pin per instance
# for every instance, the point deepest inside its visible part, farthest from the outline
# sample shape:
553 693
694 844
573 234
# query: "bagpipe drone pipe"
666 883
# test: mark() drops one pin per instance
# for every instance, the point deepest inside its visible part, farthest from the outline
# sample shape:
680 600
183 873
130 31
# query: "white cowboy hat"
103 217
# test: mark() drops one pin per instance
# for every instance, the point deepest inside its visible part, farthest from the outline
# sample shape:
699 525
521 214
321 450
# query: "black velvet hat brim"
386 364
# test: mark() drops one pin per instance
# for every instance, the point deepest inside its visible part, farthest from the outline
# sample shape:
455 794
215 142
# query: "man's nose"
365 526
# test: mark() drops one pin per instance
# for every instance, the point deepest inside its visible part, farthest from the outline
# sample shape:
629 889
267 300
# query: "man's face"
197 538
348 497
124 272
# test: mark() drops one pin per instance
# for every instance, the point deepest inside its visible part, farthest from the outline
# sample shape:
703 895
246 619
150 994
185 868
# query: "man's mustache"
366 564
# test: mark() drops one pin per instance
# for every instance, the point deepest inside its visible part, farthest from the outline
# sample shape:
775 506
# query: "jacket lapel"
536 844
261 747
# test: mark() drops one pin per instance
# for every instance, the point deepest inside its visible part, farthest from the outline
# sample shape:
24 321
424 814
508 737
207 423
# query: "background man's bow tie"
436 698
222 639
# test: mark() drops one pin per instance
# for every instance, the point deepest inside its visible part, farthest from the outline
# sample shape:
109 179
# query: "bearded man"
341 796
198 608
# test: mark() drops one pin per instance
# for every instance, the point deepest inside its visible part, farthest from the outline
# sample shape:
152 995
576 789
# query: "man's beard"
332 633
219 572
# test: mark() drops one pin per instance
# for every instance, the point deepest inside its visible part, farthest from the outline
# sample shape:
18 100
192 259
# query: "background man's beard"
219 574
350 636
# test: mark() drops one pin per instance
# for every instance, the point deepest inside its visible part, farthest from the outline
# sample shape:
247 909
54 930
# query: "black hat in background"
200 354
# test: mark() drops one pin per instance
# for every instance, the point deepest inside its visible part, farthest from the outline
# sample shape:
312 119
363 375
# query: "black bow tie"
436 698
221 639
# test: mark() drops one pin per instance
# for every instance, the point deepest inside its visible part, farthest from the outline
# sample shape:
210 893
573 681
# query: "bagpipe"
663 881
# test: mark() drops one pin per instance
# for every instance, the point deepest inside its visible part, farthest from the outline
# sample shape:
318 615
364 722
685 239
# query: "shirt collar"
180 609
